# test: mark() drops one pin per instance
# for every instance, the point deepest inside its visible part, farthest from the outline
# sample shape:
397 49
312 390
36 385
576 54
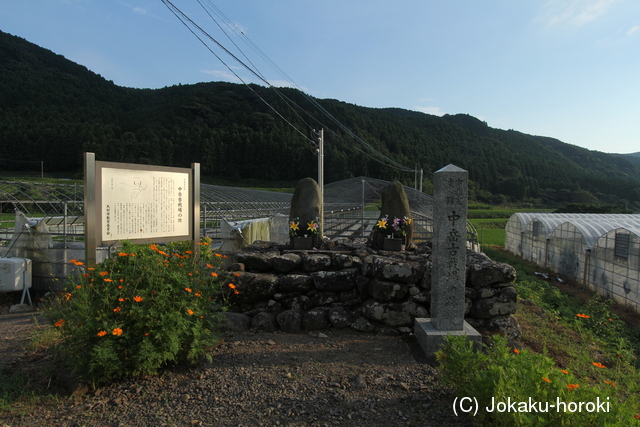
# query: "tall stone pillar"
448 258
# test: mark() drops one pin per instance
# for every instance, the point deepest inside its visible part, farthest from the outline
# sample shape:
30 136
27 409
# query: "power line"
381 157
178 13
373 153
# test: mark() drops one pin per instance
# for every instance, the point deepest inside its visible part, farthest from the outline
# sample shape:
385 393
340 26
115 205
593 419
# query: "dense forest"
52 110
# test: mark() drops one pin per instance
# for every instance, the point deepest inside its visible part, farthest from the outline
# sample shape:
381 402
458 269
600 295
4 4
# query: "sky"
566 69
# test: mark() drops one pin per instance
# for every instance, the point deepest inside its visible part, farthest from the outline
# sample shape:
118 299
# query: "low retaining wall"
352 285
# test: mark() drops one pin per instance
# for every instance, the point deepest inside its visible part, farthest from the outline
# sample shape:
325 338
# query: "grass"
589 341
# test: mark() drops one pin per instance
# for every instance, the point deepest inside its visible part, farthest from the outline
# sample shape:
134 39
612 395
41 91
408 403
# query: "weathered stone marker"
306 206
448 274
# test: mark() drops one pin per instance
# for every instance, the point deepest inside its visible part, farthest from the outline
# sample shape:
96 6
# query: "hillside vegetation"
53 110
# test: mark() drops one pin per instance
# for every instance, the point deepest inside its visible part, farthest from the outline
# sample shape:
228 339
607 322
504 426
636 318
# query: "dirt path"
328 378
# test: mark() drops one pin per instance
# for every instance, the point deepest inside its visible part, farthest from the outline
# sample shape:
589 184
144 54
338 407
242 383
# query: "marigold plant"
140 319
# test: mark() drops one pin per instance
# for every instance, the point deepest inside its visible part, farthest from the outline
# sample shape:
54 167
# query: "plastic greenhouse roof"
553 220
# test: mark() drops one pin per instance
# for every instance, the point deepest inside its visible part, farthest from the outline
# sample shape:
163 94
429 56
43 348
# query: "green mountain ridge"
53 110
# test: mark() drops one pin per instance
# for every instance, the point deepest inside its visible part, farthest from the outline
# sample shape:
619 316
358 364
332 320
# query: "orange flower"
564 371
209 265
58 323
104 273
121 299
214 274
122 254
546 379
610 320
515 350
637 416
198 294
67 296
102 333
190 312
90 268
120 287
188 252
584 316
108 280
188 289
117 331
598 365
572 386
138 298
78 287
611 383
116 310
236 274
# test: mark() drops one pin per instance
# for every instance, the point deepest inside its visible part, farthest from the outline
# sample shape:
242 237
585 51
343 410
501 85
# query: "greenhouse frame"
600 251
45 221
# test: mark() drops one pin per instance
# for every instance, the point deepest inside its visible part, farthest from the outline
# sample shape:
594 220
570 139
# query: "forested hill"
53 110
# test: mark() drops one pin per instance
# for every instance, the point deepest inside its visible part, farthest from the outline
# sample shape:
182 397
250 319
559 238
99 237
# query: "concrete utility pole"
320 135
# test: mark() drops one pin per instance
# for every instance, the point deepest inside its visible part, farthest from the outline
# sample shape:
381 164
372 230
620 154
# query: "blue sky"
568 69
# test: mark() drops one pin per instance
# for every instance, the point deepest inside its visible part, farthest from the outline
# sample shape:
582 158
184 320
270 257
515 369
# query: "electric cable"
373 152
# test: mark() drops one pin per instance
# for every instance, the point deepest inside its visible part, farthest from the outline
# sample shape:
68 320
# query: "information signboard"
139 203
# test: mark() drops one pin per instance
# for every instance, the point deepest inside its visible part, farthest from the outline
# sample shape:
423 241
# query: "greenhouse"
598 250
613 266
44 222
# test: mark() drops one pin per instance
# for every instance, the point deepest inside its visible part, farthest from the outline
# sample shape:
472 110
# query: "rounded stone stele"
306 205
395 204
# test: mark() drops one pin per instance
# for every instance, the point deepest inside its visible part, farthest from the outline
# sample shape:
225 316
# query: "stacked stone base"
347 284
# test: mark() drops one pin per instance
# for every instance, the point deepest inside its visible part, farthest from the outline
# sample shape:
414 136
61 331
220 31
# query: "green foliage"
55 109
593 208
501 374
144 308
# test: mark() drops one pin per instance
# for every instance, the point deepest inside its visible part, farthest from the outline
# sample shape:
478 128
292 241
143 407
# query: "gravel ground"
330 378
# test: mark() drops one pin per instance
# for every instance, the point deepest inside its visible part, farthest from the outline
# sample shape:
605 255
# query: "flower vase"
393 244
302 243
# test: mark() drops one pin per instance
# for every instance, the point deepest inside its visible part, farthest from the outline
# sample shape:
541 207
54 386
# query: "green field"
490 222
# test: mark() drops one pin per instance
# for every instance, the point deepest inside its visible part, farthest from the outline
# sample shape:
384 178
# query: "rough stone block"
316 318
387 268
295 283
264 322
340 317
335 281
385 291
316 262
286 262
290 320
254 287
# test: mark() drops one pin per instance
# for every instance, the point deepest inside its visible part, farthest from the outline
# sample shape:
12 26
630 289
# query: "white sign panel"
144 204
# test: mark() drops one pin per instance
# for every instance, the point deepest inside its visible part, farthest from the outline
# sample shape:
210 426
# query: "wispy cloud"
140 11
222 75
633 30
574 12
435 111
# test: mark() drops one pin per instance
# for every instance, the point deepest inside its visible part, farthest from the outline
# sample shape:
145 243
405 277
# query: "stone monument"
306 206
448 274
395 204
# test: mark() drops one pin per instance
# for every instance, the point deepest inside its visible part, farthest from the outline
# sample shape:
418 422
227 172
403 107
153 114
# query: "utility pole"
320 135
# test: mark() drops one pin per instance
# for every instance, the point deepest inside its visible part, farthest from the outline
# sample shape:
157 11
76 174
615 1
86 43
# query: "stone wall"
349 284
